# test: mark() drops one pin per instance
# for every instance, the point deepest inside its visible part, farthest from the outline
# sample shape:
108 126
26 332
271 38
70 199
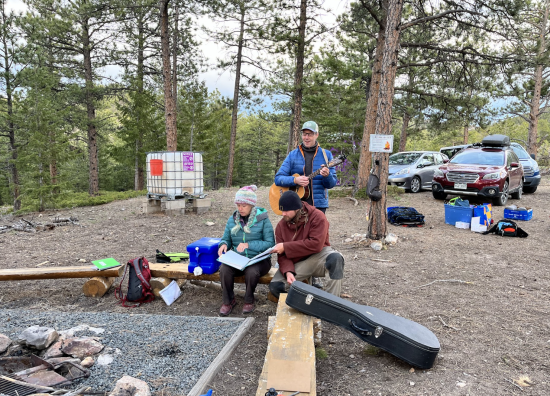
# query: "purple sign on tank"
188 164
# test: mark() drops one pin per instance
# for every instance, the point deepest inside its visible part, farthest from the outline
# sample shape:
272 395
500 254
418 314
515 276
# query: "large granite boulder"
37 337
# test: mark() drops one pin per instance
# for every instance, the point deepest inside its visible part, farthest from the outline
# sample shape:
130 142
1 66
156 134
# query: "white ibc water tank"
174 173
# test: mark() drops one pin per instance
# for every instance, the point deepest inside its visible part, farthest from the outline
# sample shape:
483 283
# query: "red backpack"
139 286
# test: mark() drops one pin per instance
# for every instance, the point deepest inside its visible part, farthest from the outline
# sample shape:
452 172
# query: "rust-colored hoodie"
302 239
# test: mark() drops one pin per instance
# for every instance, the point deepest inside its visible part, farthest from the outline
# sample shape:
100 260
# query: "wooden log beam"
85 271
317 330
159 283
222 357
180 271
291 341
97 286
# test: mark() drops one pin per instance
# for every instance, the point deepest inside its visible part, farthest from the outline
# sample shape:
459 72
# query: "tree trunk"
535 102
377 213
138 165
290 147
466 130
372 106
299 75
403 139
93 161
12 165
169 99
175 57
233 137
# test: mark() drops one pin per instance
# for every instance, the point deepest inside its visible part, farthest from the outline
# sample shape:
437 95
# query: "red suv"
490 169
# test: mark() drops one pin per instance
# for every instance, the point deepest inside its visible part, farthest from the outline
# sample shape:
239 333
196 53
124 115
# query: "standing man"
303 249
305 160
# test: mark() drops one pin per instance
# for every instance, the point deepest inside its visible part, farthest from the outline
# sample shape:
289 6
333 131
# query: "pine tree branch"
437 16
373 13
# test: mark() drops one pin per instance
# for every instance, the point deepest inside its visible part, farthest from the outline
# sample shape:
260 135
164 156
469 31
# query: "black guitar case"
401 337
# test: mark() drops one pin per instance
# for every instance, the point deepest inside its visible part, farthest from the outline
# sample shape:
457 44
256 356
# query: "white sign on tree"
380 143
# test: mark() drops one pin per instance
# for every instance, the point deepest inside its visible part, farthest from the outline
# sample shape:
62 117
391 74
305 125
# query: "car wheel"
529 190
439 195
518 193
416 184
501 201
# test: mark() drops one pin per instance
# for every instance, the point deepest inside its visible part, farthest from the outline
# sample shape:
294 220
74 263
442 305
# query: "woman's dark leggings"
252 275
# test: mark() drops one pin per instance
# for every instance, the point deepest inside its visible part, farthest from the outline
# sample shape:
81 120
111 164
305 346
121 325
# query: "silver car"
414 170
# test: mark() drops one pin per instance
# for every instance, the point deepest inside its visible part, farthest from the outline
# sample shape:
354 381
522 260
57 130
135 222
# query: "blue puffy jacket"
295 163
260 238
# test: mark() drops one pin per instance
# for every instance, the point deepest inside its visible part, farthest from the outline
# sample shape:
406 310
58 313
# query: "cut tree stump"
97 286
159 283
291 341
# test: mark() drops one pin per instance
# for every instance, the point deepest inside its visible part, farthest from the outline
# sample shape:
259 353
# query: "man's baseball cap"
312 126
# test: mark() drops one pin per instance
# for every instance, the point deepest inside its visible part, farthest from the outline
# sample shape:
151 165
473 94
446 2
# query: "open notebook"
106 263
239 262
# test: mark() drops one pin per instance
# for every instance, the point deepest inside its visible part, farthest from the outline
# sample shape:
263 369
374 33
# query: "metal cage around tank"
175 174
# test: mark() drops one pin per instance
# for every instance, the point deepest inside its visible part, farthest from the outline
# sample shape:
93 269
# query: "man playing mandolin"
304 160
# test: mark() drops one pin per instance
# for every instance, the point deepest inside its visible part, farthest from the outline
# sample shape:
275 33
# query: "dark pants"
324 210
252 275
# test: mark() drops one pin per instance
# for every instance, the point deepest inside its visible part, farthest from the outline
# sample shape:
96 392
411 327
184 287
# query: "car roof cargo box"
496 140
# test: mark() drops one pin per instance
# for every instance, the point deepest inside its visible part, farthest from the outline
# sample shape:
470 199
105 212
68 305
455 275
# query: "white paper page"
234 259
170 293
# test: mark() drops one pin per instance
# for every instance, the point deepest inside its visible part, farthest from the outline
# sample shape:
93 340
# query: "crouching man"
303 247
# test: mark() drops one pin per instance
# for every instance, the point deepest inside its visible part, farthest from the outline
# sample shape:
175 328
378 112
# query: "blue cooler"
458 213
204 253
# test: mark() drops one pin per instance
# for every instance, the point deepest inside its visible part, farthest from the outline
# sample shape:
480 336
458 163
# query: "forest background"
71 128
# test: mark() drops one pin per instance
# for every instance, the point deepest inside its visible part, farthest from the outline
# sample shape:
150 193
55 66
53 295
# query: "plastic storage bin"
457 213
204 253
524 215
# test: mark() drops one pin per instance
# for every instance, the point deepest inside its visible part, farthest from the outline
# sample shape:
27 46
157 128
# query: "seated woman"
248 232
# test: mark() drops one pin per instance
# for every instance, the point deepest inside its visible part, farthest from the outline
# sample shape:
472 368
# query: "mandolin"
275 191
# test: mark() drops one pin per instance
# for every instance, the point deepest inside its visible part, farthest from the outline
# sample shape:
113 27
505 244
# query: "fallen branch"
446 325
354 200
513 383
445 280
386 261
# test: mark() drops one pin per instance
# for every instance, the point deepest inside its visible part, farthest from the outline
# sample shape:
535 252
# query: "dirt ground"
493 325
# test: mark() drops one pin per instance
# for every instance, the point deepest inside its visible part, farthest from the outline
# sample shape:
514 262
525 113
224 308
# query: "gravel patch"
165 351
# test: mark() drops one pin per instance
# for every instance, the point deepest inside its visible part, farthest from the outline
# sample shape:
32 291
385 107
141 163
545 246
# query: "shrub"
69 199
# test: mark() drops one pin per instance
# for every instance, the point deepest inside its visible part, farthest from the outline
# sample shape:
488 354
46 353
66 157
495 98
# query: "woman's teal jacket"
260 238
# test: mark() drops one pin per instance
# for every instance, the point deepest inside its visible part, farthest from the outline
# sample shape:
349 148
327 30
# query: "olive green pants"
327 263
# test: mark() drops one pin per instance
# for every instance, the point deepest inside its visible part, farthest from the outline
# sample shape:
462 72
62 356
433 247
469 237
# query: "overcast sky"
224 82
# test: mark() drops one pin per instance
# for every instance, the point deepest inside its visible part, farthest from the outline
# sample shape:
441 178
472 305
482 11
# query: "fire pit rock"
130 386
5 342
82 347
88 362
37 337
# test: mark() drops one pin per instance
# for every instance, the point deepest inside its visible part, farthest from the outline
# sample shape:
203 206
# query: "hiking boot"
227 308
316 282
248 308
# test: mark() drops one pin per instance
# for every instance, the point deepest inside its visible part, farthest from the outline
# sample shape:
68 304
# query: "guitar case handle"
358 329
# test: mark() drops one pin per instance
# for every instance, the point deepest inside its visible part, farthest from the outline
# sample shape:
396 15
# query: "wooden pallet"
292 341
